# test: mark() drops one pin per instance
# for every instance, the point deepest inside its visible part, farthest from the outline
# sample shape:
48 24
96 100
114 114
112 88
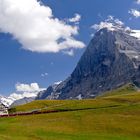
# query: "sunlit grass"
111 117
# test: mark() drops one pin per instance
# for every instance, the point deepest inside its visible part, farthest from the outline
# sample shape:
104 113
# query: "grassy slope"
127 89
115 116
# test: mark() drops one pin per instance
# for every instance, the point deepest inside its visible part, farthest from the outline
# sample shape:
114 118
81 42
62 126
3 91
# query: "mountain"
111 60
6 101
50 93
22 101
17 99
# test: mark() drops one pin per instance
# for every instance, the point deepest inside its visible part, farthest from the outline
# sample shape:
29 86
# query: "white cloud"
75 19
138 1
135 33
33 87
69 52
57 83
26 90
44 74
110 23
135 13
35 27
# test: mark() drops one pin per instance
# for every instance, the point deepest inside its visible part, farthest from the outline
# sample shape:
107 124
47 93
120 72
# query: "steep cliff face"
112 59
49 93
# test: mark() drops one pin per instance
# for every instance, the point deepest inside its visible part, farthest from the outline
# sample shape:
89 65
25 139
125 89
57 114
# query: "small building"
3 109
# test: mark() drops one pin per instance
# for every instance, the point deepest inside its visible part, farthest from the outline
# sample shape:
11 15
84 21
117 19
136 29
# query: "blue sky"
18 65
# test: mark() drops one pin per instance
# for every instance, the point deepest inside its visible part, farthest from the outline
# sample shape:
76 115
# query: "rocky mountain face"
111 60
50 93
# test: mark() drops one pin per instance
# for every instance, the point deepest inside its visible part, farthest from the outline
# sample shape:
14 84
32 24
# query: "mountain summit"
111 60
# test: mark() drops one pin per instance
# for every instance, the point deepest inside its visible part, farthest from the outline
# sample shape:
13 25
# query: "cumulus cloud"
33 87
35 27
75 19
26 90
135 13
110 23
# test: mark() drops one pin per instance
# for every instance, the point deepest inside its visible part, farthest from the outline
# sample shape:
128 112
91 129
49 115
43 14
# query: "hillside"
113 117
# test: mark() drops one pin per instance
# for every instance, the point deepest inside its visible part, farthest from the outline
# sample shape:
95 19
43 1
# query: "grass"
114 116
127 89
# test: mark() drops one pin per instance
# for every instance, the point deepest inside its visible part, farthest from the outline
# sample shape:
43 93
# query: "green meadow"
113 116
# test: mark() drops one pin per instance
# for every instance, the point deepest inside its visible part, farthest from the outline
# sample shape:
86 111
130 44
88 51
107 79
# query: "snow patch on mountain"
22 91
110 23
114 24
135 33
